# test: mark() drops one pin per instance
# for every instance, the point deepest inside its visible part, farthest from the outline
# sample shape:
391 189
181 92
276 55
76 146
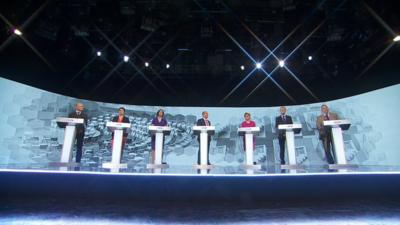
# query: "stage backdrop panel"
29 135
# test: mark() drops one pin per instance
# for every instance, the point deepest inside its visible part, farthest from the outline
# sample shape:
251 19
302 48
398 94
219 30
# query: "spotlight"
242 67
126 58
98 53
146 64
17 32
310 58
397 38
281 63
167 66
258 65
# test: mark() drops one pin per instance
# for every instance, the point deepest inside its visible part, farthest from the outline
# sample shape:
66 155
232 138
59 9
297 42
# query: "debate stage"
317 183
39 196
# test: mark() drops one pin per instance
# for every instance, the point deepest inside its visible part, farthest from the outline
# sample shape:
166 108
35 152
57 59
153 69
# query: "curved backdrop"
29 135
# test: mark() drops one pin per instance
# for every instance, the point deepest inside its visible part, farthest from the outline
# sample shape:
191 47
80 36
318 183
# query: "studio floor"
90 211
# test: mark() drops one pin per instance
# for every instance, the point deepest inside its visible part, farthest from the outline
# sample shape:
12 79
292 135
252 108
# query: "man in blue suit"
204 122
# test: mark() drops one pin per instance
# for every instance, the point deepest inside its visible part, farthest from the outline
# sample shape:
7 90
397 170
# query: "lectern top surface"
203 127
69 120
289 126
336 122
118 125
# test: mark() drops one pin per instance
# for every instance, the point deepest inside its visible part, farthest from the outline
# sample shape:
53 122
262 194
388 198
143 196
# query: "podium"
159 132
118 129
248 133
69 137
338 144
203 131
290 130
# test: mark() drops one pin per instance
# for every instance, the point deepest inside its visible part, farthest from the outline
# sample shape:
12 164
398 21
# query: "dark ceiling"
205 43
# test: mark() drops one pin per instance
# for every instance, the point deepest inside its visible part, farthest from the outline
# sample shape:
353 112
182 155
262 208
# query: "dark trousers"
208 153
282 141
328 147
79 144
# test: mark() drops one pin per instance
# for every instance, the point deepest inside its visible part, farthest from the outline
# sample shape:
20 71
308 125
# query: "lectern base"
342 166
157 166
63 164
115 166
292 167
203 167
251 166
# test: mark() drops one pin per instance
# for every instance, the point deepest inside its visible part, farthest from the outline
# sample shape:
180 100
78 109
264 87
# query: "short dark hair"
160 110
121 108
246 113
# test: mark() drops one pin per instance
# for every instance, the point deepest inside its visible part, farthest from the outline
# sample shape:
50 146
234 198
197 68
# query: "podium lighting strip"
191 175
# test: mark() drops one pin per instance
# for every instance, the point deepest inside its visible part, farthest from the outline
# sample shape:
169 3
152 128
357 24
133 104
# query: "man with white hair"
80 129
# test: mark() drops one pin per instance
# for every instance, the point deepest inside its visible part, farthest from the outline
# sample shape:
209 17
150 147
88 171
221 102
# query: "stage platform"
184 183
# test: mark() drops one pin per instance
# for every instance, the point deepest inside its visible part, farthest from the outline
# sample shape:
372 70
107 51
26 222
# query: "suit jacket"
124 120
80 128
278 121
320 124
202 122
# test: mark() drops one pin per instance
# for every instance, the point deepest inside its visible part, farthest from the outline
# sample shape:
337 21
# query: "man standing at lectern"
121 118
80 129
325 133
282 119
204 122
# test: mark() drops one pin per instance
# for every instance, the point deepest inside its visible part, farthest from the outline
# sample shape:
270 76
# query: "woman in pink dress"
248 123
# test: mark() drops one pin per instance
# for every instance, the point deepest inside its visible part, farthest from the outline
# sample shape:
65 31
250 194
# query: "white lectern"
69 136
337 138
118 129
290 130
204 131
248 133
159 132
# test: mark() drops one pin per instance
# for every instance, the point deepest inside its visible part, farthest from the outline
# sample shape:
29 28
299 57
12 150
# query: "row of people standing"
324 133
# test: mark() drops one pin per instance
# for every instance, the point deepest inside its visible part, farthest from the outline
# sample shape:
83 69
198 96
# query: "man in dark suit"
282 119
204 122
121 118
80 129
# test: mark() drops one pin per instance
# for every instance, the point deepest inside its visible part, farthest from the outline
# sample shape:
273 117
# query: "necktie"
326 117
206 122
78 113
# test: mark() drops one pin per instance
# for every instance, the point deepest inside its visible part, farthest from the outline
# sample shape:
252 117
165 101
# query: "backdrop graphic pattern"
28 132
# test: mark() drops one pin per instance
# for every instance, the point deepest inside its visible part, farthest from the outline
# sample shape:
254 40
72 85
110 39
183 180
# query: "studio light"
167 66
310 58
146 64
242 67
98 53
17 32
126 58
281 63
397 38
258 65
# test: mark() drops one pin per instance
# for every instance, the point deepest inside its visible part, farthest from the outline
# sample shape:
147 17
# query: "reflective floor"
142 169
54 212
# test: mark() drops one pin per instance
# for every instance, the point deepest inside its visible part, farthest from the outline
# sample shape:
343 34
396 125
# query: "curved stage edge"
201 188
